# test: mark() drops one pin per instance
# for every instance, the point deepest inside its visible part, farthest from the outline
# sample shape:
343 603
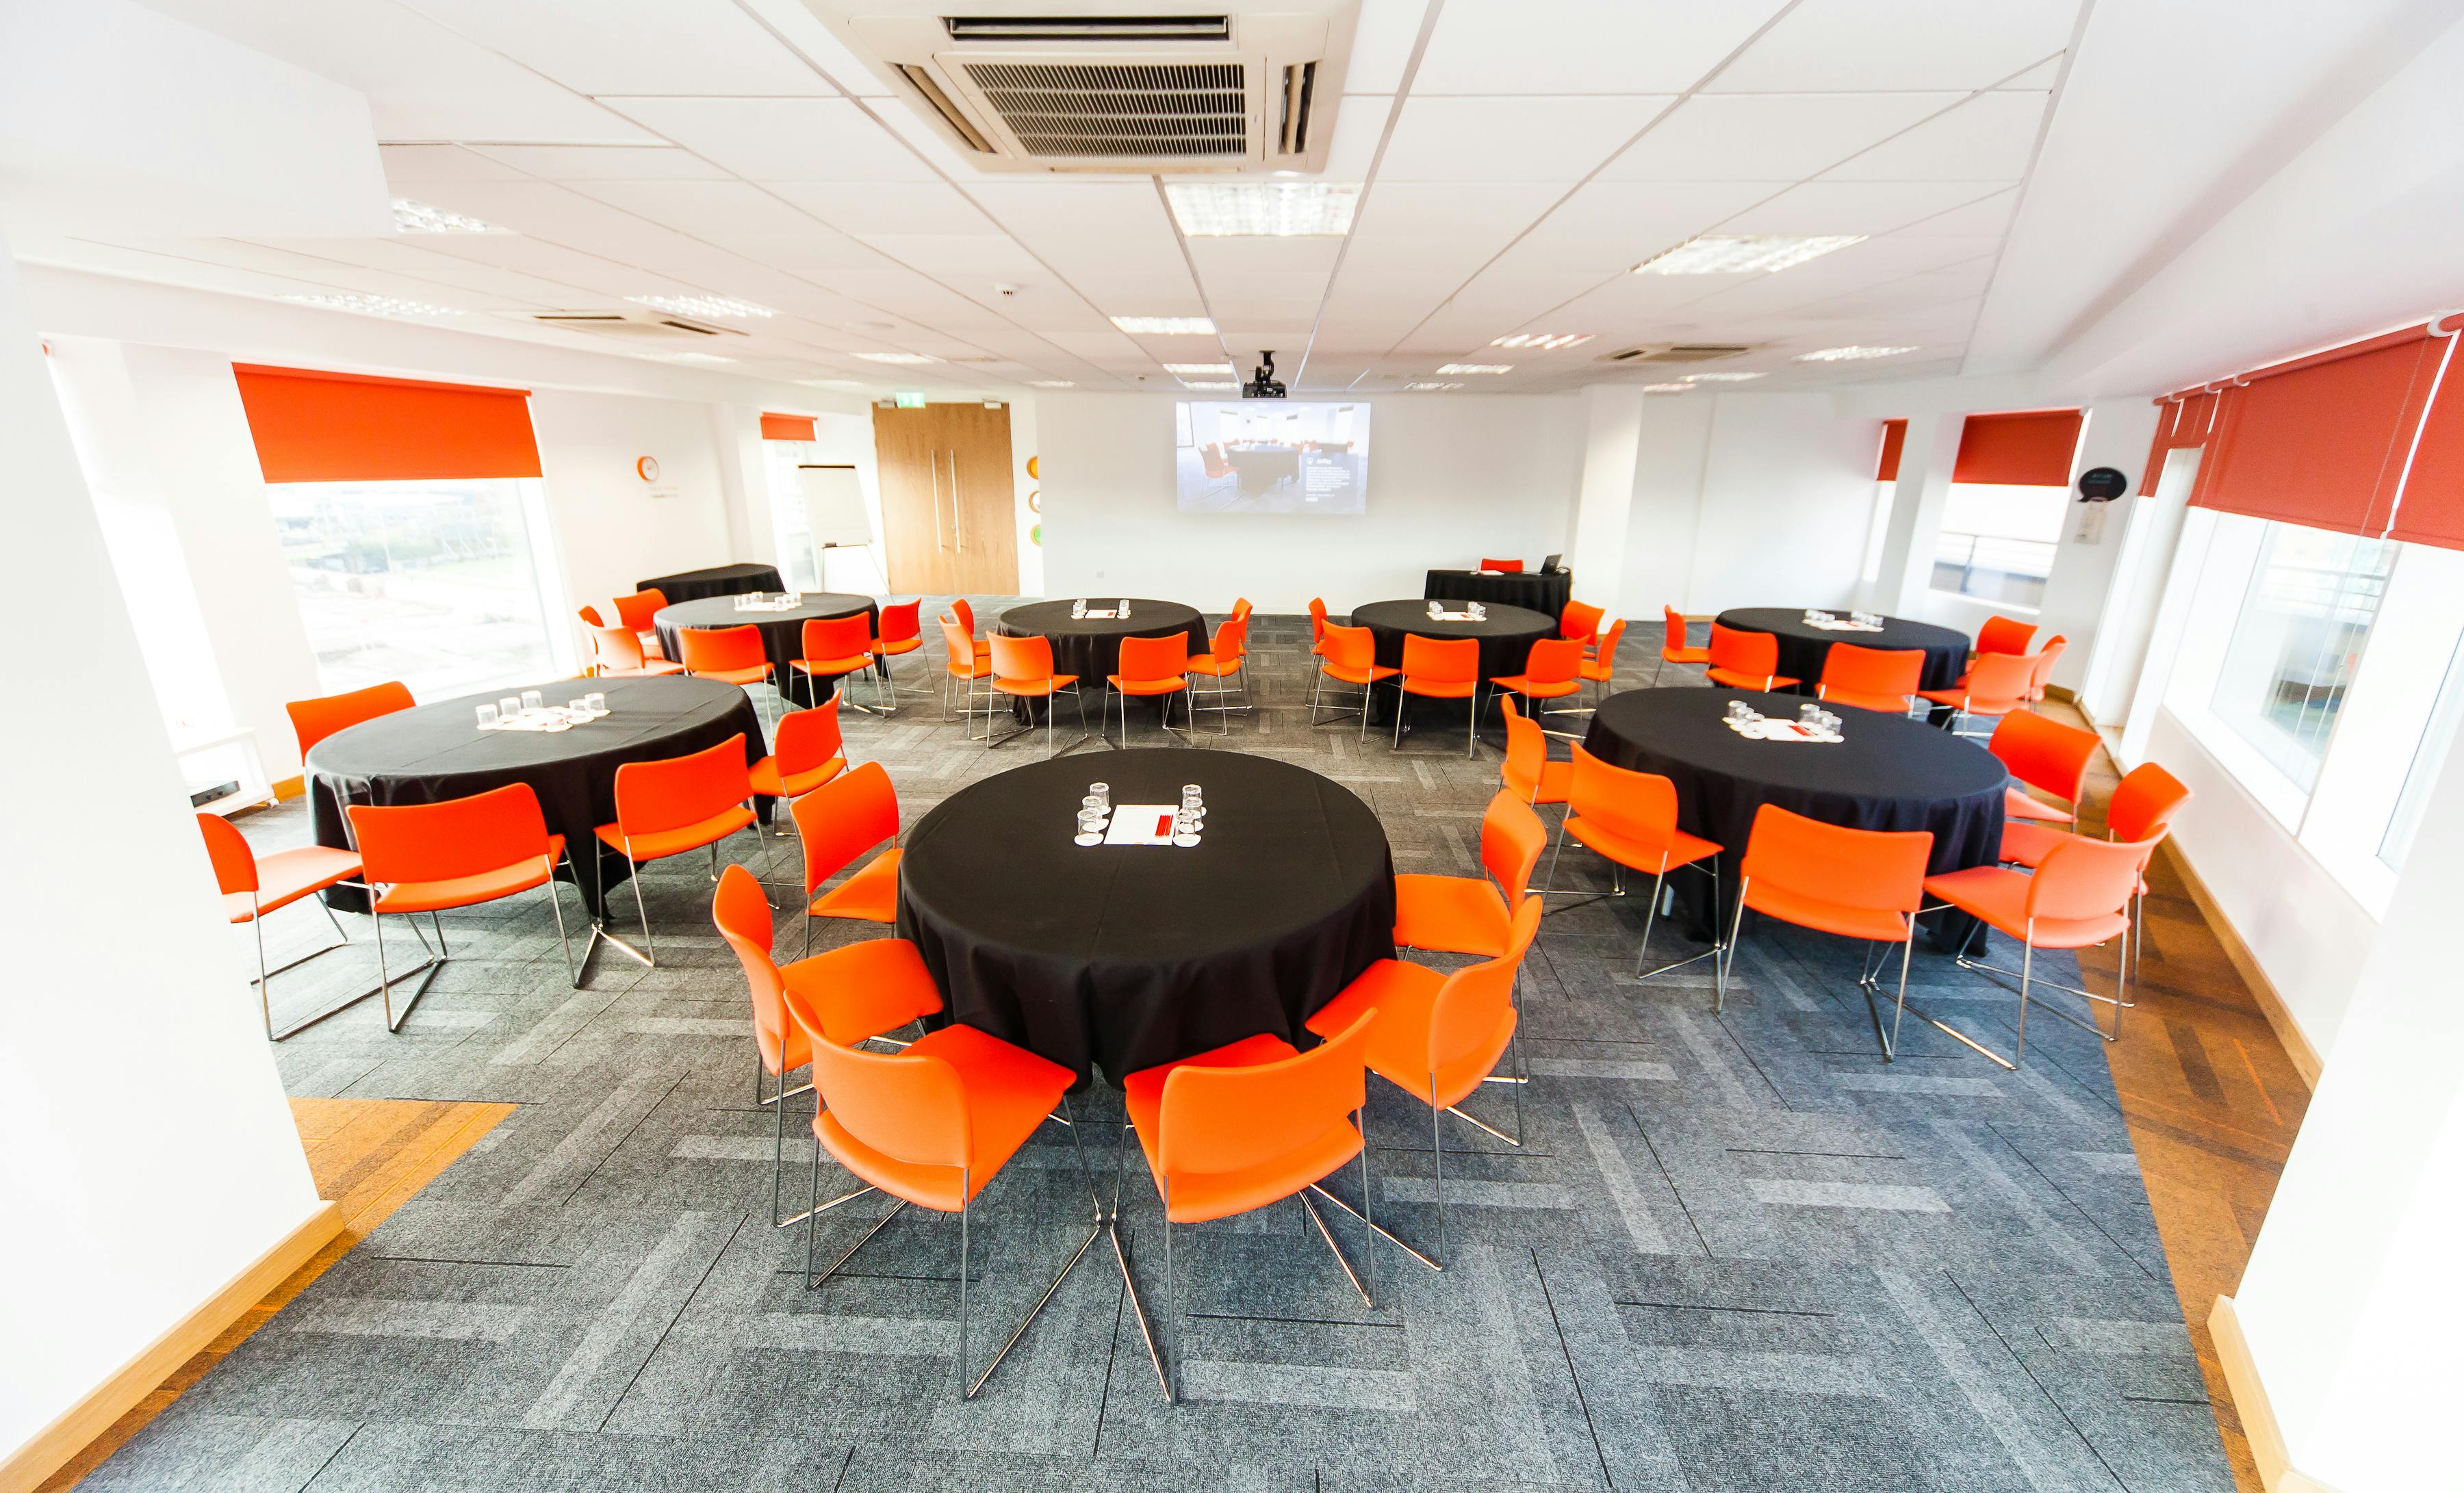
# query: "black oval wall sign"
2103 484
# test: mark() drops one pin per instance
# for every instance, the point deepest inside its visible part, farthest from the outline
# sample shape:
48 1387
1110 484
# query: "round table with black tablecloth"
1124 957
1542 591
782 633
1803 647
1090 647
694 585
1506 637
431 753
1889 774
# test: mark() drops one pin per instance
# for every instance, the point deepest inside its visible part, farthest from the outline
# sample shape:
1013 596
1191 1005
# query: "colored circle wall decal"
1031 464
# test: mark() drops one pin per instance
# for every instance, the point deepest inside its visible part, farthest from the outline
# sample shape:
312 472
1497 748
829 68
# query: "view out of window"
1997 542
2298 641
2421 776
435 583
800 562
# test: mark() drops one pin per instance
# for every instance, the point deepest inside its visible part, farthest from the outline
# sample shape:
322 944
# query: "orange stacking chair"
963 662
2047 755
2046 657
1856 883
1746 660
1347 655
1995 686
636 611
1155 667
1552 670
1247 1125
2002 635
838 821
1528 773
2078 895
616 654
1439 669
887 988
314 720
1509 566
1226 656
1475 915
2141 807
902 631
835 647
1023 670
1630 820
672 805
931 1125
1675 650
1600 668
253 888
730 655
1317 625
1438 1037
809 752
1580 621
590 617
1241 609
1872 679
433 858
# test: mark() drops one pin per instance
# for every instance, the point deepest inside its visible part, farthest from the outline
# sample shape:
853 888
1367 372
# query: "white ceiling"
1516 166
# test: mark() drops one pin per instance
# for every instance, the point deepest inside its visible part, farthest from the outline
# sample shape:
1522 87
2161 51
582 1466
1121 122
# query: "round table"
782 633
1544 591
693 586
430 753
1090 647
1505 634
1803 647
1889 774
1124 957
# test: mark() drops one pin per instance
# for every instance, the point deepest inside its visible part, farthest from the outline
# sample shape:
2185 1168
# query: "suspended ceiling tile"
703 210
595 278
633 46
1988 139
408 167
1381 45
1986 217
1768 136
1359 126
1827 45
781 139
601 162
1520 140
887 207
1868 208
805 35
980 260
1264 256
1583 46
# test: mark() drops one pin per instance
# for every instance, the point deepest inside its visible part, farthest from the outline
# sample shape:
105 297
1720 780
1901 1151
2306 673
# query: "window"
1997 542
2297 642
2421 776
800 562
435 583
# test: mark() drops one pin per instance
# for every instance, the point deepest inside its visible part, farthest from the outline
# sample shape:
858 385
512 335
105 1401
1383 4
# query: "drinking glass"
1736 710
1078 609
578 707
1101 793
486 716
510 706
1809 714
597 702
532 699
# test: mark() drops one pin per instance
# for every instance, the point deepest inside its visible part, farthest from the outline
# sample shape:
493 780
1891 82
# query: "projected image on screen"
1270 456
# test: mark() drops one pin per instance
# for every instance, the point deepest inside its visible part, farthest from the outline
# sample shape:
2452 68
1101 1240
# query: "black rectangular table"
1542 591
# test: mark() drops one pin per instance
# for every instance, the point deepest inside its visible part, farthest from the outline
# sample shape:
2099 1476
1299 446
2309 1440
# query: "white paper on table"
1141 824
1104 614
1453 617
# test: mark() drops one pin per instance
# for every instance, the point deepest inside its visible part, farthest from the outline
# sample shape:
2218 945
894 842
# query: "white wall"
1668 471
1452 479
613 529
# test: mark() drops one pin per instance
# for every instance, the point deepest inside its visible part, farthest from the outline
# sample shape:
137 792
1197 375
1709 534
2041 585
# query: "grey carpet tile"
1735 1251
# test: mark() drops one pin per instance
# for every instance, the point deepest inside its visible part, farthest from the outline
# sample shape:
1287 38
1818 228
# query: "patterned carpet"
1738 1251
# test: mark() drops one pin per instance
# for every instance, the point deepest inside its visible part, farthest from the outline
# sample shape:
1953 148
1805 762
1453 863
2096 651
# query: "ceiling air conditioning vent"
1089 28
1103 109
641 326
1676 352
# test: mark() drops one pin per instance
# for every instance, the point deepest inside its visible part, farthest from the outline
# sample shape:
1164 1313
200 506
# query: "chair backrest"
1155 658
1672 622
1554 661
590 617
1580 621
1027 659
1231 639
709 650
2143 804
1240 1119
314 720
670 793
234 863
457 836
1317 620
1508 565
965 614
903 621
1604 651
1241 609
2001 678
843 818
1476 999
1527 750
1864 670
1636 806
742 914
1881 870
958 649
617 648
636 611
1511 838
834 637
1215 463
2044 754
2045 658
807 738
910 1107
1440 660
1755 653
2003 635
2087 878
1350 647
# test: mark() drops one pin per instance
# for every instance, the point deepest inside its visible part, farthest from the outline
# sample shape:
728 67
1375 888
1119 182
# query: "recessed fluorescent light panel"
418 217
691 358
1430 389
1185 383
1052 383
374 305
1198 368
1165 326
1544 342
904 360
1476 368
720 307
1668 388
1719 378
1264 209
1742 254
1851 354
834 384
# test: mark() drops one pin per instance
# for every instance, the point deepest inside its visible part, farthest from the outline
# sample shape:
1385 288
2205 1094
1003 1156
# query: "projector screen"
1271 457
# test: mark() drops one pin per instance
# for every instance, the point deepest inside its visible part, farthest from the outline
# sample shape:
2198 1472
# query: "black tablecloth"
693 586
782 633
1803 647
1126 957
1546 592
431 753
1889 774
1090 647
1506 636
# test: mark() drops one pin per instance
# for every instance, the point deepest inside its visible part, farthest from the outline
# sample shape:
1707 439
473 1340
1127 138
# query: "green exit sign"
910 401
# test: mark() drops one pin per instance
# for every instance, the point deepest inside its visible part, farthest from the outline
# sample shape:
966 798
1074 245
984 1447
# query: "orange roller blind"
2029 448
314 427
786 427
2323 440
2183 419
1895 434
2431 511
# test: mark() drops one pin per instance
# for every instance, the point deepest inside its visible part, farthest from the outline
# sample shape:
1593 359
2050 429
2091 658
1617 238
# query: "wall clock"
646 468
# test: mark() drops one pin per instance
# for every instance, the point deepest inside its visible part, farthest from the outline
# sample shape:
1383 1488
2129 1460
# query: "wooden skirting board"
2276 1467
2305 1058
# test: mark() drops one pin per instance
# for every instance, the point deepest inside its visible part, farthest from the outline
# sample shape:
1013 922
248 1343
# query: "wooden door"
948 500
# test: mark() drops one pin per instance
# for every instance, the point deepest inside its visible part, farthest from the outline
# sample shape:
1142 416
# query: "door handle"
932 459
958 510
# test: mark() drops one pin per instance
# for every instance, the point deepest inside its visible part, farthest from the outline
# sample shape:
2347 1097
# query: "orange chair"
314 720
1241 609
1154 668
672 805
1438 1037
1552 670
2046 657
433 858
1855 882
1580 621
2047 755
1226 656
902 633
835 647
252 889
809 751
1629 818
1994 687
1675 650
838 821
1475 915
1317 625
1745 660
961 661
2079 895
616 654
730 655
1600 668
1511 567
2141 807
886 985
1023 670
1347 655
2003 635
1439 669
590 617
636 611
1247 1125
1528 773
1871 679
